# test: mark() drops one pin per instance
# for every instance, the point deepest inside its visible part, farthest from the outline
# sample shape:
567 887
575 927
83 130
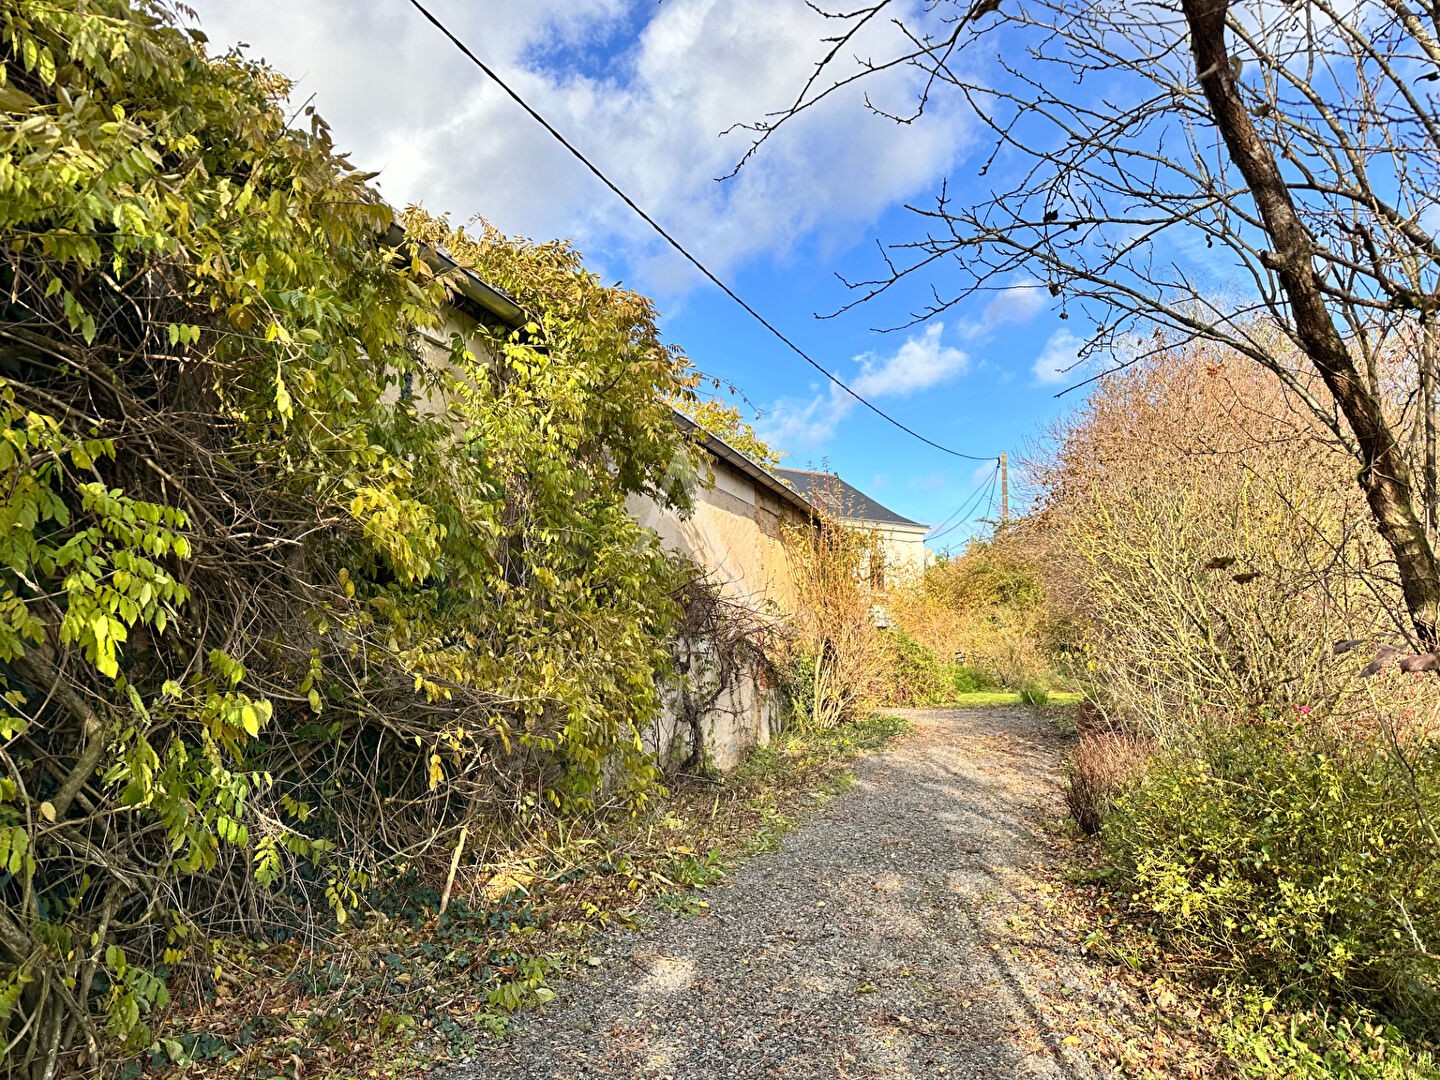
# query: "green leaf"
15 100
283 404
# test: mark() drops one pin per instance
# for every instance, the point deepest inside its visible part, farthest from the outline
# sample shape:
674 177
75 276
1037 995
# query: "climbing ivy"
286 593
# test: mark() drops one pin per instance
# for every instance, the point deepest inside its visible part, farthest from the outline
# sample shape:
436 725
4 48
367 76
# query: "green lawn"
982 698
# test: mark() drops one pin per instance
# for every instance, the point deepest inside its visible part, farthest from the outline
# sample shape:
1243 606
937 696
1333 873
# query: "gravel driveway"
886 938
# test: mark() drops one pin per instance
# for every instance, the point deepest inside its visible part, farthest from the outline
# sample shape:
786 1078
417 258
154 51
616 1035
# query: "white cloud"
932 482
794 424
1013 304
920 363
648 106
1059 361
1017 304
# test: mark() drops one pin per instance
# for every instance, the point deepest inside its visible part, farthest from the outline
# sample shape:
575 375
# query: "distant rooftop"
828 492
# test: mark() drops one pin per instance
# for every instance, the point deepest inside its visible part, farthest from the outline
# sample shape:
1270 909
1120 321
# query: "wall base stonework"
729 719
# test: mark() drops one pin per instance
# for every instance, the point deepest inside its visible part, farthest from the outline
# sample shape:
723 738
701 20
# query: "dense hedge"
265 625
1303 863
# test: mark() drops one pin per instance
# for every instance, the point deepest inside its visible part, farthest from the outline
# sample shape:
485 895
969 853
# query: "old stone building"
726 699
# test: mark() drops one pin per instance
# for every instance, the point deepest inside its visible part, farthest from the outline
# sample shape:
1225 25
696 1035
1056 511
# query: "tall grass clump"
835 666
1103 767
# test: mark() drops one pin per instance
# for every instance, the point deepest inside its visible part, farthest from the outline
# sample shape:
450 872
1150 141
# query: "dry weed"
1105 765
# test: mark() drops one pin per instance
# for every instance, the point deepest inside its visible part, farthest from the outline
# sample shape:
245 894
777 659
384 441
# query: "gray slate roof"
829 492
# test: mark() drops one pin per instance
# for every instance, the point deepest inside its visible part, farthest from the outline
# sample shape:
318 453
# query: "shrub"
290 593
986 603
1263 1041
1306 864
1104 766
968 680
1033 694
797 679
1207 541
916 676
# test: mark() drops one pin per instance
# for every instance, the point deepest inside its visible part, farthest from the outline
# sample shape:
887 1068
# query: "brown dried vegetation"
1206 533
1104 766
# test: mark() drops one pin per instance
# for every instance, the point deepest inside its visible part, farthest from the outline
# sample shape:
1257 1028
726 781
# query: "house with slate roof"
900 550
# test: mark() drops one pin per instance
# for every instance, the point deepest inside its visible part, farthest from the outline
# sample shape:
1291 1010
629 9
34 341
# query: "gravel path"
886 938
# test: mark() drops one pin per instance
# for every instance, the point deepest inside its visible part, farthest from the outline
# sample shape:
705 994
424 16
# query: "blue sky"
646 89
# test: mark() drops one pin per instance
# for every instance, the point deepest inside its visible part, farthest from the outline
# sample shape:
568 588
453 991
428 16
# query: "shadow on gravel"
892 936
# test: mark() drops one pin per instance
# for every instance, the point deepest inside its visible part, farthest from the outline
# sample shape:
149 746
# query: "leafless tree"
1147 159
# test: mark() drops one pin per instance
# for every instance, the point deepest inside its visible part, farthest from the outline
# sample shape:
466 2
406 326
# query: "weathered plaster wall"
904 548
745 714
735 534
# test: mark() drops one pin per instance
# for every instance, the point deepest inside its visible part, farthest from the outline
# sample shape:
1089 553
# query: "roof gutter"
469 285
728 454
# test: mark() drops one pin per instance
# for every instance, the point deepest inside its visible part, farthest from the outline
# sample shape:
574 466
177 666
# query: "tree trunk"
1385 476
1427 419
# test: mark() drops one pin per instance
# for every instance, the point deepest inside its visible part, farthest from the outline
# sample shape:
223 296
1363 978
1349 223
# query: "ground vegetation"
1263 796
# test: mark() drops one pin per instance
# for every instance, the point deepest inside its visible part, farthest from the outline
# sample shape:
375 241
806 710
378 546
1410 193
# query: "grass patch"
404 989
988 698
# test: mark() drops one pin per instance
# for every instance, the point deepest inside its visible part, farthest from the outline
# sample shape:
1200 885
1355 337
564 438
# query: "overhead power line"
679 247
1004 501
985 488
938 529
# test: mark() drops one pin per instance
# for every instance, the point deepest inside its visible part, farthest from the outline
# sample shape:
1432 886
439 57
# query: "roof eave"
906 525
471 287
728 454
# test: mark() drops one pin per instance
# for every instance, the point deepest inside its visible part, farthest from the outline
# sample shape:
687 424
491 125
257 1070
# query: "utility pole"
1004 490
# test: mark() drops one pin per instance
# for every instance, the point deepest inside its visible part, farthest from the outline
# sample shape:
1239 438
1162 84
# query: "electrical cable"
726 289
970 504
978 485
987 492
